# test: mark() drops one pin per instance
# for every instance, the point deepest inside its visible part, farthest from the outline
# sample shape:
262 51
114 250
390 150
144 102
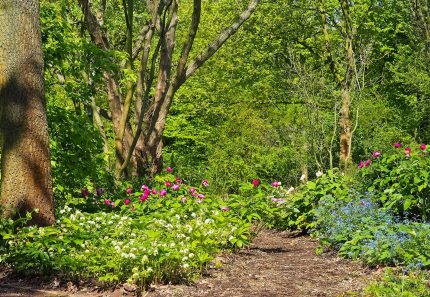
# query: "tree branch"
222 38
180 70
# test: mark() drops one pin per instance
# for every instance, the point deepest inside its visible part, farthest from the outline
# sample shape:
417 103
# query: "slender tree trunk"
26 182
345 128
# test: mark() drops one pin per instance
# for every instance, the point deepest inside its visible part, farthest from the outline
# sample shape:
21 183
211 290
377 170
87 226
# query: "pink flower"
169 169
85 192
144 187
200 196
276 184
407 153
360 165
163 193
178 180
107 201
397 145
168 184
127 201
367 163
224 208
129 191
376 155
199 201
154 191
205 183
113 204
408 149
175 187
184 199
192 191
145 195
423 147
255 182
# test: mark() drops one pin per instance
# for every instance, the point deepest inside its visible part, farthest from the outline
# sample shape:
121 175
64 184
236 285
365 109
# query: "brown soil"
276 264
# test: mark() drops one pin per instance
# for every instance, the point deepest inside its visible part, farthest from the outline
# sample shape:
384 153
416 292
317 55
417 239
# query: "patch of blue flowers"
359 229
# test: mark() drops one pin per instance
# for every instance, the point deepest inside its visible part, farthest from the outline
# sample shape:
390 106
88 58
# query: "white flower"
303 178
319 173
185 265
191 255
290 190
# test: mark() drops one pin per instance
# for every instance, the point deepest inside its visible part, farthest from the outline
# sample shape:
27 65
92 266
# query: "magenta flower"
423 147
144 197
168 184
175 187
113 204
360 165
129 191
200 196
376 155
408 149
127 201
169 169
85 192
205 183
224 208
178 180
397 145
154 191
107 201
192 192
144 187
367 163
276 184
255 182
163 193
184 199
99 191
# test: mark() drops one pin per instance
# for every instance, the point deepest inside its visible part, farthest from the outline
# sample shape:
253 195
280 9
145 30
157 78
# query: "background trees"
266 104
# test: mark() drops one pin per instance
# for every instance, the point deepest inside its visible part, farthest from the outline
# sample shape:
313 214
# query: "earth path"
276 264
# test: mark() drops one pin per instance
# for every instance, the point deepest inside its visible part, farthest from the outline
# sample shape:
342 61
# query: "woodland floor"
276 264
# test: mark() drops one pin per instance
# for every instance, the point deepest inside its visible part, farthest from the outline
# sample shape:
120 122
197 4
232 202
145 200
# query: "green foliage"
77 154
163 237
413 284
301 208
401 182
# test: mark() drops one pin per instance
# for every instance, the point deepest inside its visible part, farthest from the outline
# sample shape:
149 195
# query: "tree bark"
26 182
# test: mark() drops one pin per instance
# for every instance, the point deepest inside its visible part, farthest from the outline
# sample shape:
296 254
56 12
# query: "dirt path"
274 265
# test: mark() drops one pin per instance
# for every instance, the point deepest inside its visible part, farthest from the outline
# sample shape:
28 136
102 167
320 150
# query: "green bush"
401 182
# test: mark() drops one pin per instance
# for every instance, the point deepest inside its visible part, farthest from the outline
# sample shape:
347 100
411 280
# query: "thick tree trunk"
25 164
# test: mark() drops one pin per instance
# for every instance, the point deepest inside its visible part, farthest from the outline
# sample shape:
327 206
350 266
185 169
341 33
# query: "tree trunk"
26 182
345 129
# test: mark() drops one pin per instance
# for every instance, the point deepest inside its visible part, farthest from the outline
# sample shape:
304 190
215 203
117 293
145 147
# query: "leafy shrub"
401 181
360 229
77 154
413 284
300 209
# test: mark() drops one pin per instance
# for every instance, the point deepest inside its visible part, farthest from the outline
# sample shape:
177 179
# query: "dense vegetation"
313 116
